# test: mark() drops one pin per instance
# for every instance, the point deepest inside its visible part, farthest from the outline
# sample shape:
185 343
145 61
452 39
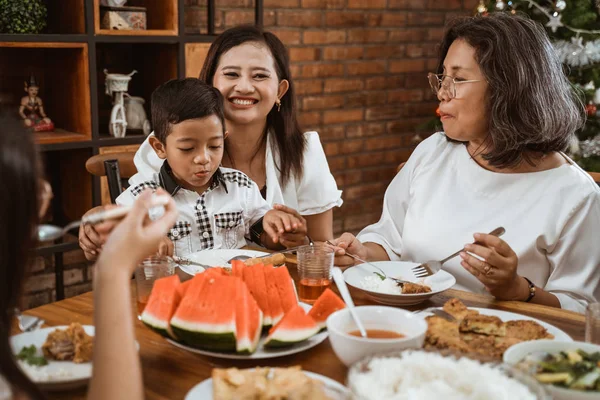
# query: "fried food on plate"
265 384
484 324
457 309
414 288
71 344
473 332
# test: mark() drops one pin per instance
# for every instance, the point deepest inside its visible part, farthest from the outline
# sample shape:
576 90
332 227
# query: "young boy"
218 207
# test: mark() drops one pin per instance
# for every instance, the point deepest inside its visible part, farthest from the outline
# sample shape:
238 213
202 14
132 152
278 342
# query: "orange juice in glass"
315 264
146 273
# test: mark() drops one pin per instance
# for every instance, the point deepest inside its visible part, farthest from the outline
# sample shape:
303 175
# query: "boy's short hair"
180 100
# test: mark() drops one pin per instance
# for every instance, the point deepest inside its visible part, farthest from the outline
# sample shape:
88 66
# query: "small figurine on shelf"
32 108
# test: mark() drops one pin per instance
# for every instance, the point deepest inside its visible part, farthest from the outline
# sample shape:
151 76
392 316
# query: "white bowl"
350 349
519 351
439 282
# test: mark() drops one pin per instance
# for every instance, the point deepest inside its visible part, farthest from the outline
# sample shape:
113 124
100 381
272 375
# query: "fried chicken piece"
415 288
484 324
526 330
265 384
483 344
457 309
58 346
71 344
275 259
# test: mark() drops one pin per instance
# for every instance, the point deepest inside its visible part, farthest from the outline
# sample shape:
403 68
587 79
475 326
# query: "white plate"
216 257
509 316
438 282
333 389
260 352
57 375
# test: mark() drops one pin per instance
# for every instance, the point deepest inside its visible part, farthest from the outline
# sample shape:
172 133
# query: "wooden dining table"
170 372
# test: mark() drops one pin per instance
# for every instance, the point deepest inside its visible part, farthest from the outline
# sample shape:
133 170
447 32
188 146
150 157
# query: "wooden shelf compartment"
63 75
161 19
195 54
66 17
71 183
155 63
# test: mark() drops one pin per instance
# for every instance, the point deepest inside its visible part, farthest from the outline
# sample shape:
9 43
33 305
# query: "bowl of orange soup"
387 328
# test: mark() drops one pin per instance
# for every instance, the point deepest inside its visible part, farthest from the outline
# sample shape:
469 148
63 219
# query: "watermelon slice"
285 287
275 306
206 317
162 304
182 289
237 268
294 327
255 280
248 320
327 303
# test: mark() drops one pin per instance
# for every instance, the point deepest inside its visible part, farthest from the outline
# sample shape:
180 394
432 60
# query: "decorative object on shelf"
117 84
32 108
123 18
481 8
22 16
136 115
113 3
591 109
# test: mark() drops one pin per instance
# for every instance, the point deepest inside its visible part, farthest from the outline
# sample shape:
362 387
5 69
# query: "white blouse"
313 193
442 196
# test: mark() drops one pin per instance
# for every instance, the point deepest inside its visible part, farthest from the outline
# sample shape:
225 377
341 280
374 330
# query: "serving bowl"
349 348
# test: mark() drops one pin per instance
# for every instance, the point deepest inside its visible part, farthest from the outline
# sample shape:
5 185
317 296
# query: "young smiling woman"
508 113
250 67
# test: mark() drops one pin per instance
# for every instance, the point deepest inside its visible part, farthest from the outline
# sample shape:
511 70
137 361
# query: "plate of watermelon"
251 313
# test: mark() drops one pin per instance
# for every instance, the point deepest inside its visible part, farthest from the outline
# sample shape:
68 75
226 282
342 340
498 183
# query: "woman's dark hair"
19 168
289 140
532 107
179 100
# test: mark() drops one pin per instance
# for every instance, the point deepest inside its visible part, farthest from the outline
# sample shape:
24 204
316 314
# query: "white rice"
419 375
373 283
43 373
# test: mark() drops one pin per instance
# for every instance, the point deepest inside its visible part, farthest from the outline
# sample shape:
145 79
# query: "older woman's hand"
499 270
348 243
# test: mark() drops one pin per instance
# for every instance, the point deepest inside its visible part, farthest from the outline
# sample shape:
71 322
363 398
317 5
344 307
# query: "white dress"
313 193
552 219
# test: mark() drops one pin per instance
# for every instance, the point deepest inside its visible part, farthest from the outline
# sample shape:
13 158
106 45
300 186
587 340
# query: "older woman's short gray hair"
532 107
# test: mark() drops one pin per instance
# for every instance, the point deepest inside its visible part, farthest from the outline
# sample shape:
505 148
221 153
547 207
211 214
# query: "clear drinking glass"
146 273
315 263
592 323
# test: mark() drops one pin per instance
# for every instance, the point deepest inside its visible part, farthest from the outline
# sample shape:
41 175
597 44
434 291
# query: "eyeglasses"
439 81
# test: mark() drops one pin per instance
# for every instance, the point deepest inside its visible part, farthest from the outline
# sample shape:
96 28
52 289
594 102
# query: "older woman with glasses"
508 113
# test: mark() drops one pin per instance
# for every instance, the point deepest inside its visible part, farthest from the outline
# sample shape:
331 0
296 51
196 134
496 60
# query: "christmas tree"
574 29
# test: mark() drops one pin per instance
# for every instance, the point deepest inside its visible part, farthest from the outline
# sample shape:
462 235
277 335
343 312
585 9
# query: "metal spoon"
338 277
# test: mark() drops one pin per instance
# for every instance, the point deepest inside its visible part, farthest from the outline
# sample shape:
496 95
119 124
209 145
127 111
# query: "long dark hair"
533 109
289 140
19 169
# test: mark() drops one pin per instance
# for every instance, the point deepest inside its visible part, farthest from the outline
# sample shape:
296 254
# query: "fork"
381 274
431 267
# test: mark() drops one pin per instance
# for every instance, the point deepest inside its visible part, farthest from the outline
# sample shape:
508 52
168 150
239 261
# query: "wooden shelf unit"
69 60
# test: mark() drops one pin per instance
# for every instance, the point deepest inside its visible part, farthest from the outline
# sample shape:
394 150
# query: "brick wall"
360 70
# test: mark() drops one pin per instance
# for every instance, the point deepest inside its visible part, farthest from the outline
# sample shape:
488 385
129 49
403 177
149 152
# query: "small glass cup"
592 323
146 273
315 263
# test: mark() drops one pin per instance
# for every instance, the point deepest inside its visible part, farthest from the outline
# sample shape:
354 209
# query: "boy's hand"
285 226
166 247
93 237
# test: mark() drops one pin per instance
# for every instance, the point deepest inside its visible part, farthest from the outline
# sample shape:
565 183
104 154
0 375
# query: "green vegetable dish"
29 355
573 369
